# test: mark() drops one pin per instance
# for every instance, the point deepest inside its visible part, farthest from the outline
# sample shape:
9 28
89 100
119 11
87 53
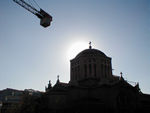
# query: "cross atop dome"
90 47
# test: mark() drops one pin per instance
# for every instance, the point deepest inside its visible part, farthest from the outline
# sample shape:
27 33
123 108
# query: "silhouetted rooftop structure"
93 88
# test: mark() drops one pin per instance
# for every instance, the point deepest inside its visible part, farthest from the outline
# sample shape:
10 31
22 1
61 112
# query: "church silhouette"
94 89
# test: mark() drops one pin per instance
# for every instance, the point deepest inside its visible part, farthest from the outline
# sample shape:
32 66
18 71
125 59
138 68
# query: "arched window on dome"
94 60
89 60
78 70
75 73
102 70
105 71
108 70
90 69
95 70
85 70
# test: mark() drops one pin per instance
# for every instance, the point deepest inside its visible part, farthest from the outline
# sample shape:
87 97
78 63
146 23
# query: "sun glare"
75 48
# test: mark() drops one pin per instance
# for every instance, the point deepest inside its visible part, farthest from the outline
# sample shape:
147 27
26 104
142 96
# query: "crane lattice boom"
44 17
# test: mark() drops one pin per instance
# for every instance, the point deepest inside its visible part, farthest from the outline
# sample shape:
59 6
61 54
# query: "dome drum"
90 63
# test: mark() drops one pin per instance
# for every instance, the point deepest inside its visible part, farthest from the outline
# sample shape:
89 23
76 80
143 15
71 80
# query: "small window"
94 60
89 60
85 70
102 70
90 69
95 70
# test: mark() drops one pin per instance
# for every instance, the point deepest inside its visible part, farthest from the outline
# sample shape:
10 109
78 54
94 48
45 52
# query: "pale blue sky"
31 55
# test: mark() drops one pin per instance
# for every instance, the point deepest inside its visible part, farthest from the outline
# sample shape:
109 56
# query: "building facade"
93 88
11 99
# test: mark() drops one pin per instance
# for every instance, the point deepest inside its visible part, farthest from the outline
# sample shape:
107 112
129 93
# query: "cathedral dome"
90 52
90 64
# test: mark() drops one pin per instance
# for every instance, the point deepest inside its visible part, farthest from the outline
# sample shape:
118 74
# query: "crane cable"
36 3
31 3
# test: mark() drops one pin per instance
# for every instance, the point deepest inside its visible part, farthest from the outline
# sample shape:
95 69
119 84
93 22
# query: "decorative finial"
121 74
49 81
90 47
49 86
57 78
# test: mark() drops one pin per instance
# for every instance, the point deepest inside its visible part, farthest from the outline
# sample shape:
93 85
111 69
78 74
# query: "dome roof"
90 52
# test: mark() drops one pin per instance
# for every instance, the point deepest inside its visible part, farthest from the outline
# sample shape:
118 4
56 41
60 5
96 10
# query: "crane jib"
45 18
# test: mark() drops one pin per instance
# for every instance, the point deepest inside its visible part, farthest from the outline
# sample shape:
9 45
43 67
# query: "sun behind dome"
90 64
90 52
93 88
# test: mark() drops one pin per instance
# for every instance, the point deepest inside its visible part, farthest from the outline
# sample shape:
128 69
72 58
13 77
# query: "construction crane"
45 18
